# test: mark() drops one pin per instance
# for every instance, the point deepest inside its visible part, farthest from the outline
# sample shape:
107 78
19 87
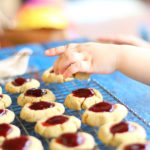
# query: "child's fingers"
63 64
113 39
55 51
106 39
59 50
123 40
56 64
80 66
68 59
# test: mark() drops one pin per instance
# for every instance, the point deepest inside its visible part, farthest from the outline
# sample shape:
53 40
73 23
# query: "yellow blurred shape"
41 17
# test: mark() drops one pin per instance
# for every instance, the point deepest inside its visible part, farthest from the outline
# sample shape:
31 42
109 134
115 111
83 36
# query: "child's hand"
124 40
88 58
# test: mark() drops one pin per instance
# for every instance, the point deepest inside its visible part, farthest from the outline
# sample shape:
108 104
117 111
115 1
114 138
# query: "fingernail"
47 52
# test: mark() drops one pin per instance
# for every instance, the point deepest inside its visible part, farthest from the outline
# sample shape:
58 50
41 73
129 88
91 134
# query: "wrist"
123 53
119 56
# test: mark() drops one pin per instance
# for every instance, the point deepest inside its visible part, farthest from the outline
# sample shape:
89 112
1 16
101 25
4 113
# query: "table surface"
136 95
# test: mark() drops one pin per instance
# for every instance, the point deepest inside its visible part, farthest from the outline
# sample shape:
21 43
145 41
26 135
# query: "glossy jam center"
83 93
71 139
5 129
19 81
41 105
51 71
20 143
121 128
102 107
2 112
1 96
35 92
136 147
55 120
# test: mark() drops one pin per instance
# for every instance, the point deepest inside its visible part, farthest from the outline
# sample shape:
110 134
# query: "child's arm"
103 59
135 63
124 40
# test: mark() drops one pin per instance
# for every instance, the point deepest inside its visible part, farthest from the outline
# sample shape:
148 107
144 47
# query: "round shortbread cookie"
104 112
20 85
23 143
57 125
5 101
81 76
140 145
8 131
35 95
50 77
83 99
116 134
6 116
73 141
33 112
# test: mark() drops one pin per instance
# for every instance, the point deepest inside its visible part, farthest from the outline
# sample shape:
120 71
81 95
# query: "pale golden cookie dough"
105 135
0 90
81 76
100 118
88 143
5 101
31 115
23 99
15 132
32 83
79 103
35 144
7 117
51 77
137 145
71 125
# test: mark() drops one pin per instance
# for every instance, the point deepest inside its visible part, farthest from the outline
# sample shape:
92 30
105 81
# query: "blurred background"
40 21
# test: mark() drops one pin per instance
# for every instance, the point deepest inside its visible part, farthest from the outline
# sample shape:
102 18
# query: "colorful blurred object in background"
38 21
37 14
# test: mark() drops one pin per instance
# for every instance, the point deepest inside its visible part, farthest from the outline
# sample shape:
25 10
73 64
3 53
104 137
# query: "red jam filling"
102 107
51 71
55 120
5 129
83 93
19 81
19 143
2 112
41 105
35 92
70 139
136 147
1 96
121 128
